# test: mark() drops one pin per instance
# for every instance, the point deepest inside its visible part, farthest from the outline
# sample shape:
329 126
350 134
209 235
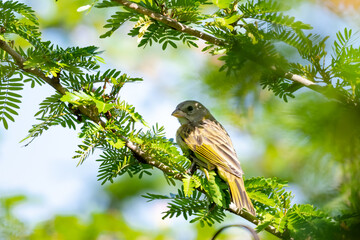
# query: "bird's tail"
238 194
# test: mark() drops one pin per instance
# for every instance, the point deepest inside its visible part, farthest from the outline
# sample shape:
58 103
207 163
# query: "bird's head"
191 112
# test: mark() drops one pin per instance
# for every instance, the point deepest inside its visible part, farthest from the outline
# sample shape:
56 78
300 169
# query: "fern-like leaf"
10 87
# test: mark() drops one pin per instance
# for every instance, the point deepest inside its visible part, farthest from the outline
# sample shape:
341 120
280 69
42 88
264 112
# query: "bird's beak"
178 113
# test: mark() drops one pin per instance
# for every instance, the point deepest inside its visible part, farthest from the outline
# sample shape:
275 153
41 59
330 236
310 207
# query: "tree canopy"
259 47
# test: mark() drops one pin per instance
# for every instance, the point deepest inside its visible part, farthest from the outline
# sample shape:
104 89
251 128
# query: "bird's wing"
211 143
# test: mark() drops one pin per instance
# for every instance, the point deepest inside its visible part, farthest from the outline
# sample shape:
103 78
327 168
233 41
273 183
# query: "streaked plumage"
207 142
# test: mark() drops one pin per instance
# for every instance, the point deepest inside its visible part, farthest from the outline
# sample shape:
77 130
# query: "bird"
205 141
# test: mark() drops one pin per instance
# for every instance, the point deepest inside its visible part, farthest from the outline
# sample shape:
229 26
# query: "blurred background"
307 141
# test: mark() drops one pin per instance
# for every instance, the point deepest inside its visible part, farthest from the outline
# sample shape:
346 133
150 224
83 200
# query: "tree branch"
144 157
171 22
140 155
328 91
325 90
54 82
300 79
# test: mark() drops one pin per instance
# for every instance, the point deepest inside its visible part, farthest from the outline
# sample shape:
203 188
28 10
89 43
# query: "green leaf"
100 59
222 3
118 144
214 189
70 98
263 225
8 116
172 44
188 188
13 105
12 111
227 21
164 45
6 126
262 197
103 107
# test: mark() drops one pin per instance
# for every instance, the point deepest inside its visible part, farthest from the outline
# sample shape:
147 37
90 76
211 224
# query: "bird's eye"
190 108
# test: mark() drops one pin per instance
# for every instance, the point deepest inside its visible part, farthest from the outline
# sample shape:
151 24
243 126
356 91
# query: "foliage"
251 34
9 98
196 204
109 223
324 154
254 32
10 226
149 31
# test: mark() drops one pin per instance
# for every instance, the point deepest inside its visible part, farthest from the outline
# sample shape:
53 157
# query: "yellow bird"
206 142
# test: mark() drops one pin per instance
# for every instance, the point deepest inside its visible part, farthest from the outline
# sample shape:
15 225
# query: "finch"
206 142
